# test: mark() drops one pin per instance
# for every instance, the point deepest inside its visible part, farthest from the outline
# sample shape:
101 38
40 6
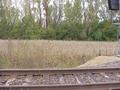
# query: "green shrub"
100 31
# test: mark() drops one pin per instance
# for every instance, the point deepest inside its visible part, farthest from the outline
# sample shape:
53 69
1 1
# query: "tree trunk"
45 5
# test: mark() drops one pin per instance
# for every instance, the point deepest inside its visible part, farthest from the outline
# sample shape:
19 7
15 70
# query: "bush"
100 31
104 31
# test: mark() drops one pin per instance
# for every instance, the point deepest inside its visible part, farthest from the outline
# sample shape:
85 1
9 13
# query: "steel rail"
102 86
114 69
56 71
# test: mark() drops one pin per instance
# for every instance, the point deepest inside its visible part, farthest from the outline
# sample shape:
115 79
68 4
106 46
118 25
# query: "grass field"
50 54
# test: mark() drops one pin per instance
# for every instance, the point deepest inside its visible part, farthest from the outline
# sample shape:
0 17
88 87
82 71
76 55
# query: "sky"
18 4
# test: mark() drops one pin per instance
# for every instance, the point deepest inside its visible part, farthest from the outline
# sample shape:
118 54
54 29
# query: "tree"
45 5
58 11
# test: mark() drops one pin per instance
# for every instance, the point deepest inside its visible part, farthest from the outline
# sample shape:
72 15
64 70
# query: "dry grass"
49 54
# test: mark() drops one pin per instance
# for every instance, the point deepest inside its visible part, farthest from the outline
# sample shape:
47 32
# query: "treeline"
56 19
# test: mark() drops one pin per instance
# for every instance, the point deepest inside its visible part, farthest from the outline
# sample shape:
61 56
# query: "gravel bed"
69 79
3 79
110 64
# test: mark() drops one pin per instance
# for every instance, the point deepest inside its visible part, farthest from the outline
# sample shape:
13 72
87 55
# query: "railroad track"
58 79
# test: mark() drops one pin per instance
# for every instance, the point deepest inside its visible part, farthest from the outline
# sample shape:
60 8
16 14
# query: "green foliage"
100 31
104 31
79 23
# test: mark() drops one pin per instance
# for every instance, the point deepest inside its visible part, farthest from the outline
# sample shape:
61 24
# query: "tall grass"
51 54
